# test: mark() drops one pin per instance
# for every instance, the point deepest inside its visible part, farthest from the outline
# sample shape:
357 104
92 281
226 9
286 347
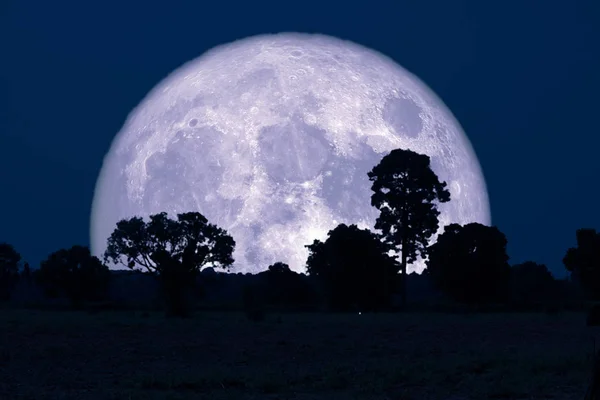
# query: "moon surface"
271 138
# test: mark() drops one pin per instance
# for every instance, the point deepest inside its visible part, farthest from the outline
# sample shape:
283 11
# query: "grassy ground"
64 355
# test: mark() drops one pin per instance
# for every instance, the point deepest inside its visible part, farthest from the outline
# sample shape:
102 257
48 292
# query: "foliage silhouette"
354 266
74 273
406 192
173 250
593 316
469 263
279 268
531 285
583 262
286 288
593 390
26 273
10 260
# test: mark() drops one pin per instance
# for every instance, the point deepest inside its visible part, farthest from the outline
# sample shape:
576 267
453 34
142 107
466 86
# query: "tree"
286 287
469 263
9 269
74 273
406 192
173 250
354 266
583 262
531 284
279 268
26 273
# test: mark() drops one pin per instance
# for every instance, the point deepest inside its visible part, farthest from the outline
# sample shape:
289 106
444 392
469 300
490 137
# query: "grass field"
126 355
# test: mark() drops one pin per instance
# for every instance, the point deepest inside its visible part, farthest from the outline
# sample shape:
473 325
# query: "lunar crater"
404 116
297 158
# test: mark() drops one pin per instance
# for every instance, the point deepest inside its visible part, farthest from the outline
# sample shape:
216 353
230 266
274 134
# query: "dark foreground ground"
64 355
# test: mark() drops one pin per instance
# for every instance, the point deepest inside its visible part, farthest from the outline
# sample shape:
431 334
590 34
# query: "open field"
127 355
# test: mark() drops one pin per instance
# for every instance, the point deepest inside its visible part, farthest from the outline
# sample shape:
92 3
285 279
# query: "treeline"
351 270
69 282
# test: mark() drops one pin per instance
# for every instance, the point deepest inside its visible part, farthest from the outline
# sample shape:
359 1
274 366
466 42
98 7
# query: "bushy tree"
286 287
583 262
10 260
279 268
469 263
74 273
354 266
531 284
406 191
173 250
26 273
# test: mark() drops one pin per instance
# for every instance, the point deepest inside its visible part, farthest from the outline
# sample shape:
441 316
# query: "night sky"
522 78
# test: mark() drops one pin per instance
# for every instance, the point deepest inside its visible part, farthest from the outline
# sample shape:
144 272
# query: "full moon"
271 138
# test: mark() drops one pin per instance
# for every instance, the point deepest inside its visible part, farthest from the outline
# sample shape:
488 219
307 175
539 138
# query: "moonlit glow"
271 138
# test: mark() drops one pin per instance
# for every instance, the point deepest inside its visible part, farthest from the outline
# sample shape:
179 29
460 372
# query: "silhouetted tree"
593 390
173 250
287 288
569 294
9 269
406 192
531 284
279 268
469 263
583 262
74 273
593 316
26 273
355 268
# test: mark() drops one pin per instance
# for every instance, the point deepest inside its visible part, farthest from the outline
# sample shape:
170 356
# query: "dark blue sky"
522 77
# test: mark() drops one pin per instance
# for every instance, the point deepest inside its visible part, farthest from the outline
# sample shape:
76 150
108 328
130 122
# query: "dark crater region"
294 152
403 116
340 189
187 170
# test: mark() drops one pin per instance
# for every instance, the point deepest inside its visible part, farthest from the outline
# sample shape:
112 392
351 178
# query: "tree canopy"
190 240
285 287
531 283
10 260
75 273
406 191
354 266
469 263
173 250
583 261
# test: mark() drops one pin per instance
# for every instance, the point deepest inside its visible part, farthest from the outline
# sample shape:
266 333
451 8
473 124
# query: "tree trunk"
403 278
384 302
404 241
176 302
593 392
176 287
